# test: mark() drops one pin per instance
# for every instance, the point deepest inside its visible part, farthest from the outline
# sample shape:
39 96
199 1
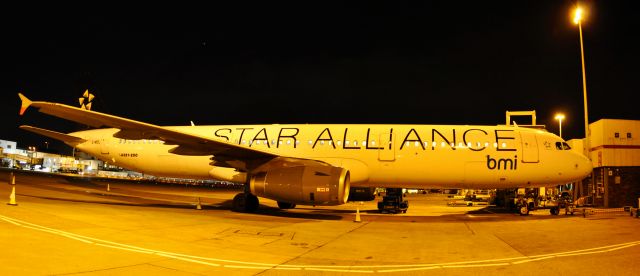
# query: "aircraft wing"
73 140
224 154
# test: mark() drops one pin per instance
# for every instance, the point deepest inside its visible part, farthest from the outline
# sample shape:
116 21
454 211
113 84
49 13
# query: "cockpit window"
562 146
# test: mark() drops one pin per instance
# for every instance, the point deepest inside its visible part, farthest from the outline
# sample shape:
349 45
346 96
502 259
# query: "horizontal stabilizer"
69 139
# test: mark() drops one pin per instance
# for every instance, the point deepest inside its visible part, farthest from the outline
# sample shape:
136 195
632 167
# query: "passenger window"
566 146
559 145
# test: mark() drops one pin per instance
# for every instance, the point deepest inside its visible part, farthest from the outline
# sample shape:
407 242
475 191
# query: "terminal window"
629 135
617 135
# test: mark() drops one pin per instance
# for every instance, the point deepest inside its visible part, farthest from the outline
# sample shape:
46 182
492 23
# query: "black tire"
523 210
245 202
239 202
554 211
286 205
252 203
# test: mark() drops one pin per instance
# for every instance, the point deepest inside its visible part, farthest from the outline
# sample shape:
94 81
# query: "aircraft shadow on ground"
489 213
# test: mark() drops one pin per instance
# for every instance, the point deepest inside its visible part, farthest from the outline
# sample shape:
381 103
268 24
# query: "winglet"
25 103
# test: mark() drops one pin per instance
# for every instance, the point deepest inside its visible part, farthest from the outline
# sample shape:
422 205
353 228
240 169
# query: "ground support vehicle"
393 202
525 204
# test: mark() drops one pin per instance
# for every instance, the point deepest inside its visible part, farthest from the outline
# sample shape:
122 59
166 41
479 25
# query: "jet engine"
303 184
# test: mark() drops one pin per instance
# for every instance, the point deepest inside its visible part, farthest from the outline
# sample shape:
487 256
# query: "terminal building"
614 149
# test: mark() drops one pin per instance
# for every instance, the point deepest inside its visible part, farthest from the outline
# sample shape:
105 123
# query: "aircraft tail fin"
25 103
68 139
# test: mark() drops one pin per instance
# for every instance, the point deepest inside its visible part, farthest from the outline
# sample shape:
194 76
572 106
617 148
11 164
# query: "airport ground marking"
474 265
326 268
533 260
339 270
409 269
10 221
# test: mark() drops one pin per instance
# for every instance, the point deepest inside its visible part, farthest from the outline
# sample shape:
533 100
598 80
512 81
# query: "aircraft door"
387 151
104 147
529 147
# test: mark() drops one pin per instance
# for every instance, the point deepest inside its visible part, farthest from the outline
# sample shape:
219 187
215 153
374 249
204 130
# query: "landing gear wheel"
524 210
286 205
245 202
554 211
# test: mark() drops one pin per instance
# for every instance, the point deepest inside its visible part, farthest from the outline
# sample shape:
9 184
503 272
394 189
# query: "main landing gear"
245 202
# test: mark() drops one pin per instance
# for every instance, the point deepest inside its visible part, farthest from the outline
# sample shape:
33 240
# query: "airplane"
319 164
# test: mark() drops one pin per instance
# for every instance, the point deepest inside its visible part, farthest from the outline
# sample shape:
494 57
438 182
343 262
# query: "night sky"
453 62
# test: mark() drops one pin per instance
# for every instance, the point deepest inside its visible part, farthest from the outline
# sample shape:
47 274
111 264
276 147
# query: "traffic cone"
12 197
12 179
198 206
108 188
357 215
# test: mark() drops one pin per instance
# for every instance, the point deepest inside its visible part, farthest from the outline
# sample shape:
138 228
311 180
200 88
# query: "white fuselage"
408 156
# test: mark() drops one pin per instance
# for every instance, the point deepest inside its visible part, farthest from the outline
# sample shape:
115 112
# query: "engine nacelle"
305 185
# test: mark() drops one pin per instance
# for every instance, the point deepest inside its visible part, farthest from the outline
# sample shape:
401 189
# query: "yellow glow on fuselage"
408 156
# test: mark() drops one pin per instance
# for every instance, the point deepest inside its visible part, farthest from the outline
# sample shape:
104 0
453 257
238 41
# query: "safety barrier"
601 211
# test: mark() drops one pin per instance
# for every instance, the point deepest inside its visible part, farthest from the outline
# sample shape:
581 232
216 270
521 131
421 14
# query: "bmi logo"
502 163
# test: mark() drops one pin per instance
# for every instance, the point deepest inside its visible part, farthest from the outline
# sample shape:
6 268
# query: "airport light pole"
33 150
560 117
577 19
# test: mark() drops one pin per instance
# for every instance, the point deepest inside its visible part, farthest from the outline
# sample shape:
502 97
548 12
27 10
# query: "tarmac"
65 225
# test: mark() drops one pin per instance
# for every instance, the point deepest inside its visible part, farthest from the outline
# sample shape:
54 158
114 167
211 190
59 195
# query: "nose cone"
583 166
